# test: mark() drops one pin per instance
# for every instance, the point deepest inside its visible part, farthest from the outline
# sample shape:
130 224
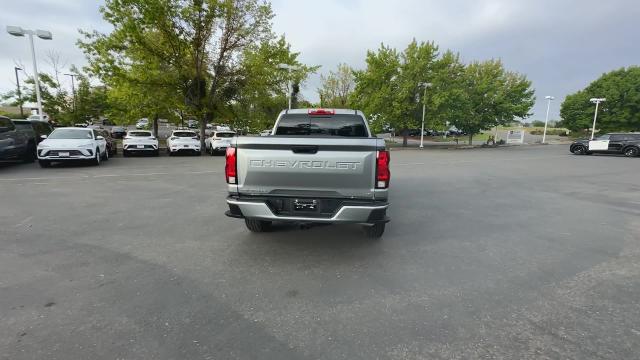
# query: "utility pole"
546 120
596 101
73 89
424 109
42 34
18 90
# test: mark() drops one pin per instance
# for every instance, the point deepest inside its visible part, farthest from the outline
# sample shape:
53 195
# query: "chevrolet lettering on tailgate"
304 164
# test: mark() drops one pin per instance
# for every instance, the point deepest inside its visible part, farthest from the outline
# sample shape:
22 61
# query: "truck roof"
307 110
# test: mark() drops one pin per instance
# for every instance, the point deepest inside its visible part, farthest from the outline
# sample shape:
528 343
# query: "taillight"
383 175
319 112
230 168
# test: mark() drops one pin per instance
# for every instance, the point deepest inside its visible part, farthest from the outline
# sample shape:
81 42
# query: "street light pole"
596 101
45 35
289 82
546 120
73 89
18 90
424 109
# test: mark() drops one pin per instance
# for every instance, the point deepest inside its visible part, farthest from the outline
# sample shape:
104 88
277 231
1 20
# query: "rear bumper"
347 212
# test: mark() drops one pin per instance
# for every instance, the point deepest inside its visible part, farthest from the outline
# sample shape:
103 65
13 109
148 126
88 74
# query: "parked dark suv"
15 143
614 143
34 128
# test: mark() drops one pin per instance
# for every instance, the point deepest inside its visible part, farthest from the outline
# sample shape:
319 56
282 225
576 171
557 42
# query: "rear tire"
44 163
374 231
257 225
30 154
631 151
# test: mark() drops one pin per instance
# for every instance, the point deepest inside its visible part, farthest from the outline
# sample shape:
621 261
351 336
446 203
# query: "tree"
491 96
192 47
336 88
621 111
262 88
389 89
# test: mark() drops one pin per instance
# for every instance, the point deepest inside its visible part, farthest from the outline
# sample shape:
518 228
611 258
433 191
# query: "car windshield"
345 125
71 134
225 134
140 133
184 134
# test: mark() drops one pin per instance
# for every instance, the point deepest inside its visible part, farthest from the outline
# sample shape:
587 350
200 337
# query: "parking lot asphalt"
515 253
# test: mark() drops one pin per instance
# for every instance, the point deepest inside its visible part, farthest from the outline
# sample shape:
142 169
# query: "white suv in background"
183 141
139 142
72 144
218 141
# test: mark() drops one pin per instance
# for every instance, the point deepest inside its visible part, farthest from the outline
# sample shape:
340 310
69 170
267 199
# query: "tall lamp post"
424 109
15 68
596 101
546 120
42 34
73 89
289 68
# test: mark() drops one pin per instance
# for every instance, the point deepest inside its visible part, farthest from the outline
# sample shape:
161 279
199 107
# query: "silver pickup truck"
317 166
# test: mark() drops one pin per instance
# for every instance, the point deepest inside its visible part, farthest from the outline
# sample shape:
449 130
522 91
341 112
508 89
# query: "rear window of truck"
344 125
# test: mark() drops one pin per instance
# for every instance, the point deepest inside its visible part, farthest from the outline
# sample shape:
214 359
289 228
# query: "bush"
559 132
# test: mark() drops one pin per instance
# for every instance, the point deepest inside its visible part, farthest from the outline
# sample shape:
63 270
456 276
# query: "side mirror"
43 137
99 137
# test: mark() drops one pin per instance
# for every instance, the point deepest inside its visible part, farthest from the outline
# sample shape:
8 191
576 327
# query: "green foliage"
262 87
474 97
537 123
337 87
492 96
621 111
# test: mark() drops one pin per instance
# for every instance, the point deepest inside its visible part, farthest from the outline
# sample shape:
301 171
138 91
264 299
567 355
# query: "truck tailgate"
307 166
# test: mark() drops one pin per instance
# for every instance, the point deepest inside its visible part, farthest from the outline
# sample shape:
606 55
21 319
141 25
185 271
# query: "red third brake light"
231 166
316 112
383 175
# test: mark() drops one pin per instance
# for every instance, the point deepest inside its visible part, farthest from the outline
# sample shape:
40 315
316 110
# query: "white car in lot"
142 123
183 141
139 142
72 144
218 141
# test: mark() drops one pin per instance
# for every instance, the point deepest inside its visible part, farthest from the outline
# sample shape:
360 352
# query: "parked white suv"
142 123
183 141
72 144
139 142
218 141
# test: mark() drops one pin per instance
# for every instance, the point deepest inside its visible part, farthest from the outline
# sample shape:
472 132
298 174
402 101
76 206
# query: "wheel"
374 231
631 151
257 225
579 150
210 150
44 163
125 153
170 153
106 155
30 154
156 153
96 160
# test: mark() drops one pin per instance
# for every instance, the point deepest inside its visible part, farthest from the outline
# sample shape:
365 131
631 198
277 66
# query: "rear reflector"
317 112
383 175
230 168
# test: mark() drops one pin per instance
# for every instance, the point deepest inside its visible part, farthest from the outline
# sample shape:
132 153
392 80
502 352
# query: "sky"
561 45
